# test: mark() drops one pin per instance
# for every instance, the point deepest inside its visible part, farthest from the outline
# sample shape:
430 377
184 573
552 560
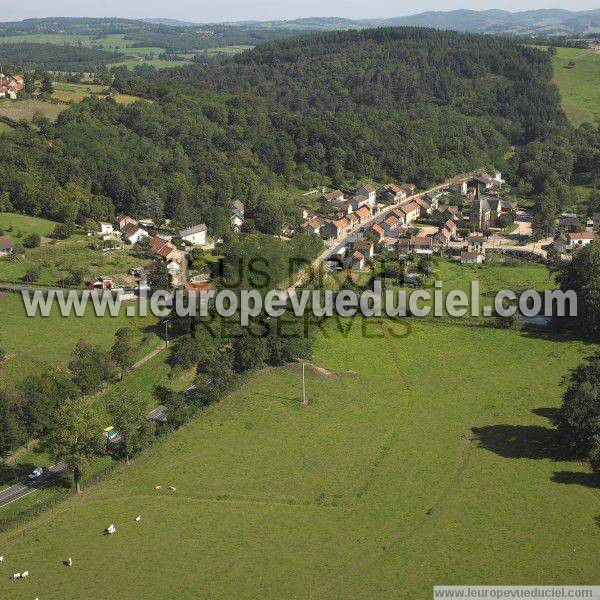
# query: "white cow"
111 529
138 518
69 562
24 574
16 576
157 487
1 558
172 488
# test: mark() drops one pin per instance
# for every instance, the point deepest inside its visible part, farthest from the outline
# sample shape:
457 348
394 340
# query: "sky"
265 10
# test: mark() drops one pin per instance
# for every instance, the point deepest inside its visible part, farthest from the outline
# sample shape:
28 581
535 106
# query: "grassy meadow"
579 85
424 456
17 110
31 343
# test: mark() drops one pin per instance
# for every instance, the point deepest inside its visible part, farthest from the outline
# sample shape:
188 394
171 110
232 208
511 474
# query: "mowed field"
425 456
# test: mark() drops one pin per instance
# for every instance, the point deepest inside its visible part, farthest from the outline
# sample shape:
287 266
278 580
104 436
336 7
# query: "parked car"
37 472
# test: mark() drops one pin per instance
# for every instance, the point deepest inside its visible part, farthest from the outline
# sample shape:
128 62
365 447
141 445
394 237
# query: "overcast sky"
243 10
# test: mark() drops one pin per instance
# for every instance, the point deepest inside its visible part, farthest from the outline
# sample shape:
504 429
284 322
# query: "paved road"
28 486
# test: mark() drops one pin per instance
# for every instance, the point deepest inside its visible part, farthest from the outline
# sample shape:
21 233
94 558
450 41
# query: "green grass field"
580 85
16 110
331 500
33 343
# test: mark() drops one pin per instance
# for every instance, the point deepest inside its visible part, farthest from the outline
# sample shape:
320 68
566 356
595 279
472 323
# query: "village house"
368 191
100 283
408 188
569 222
195 235
484 211
442 237
481 181
357 261
336 195
375 232
363 213
451 226
133 233
458 186
392 194
421 244
390 224
445 213
476 243
336 229
237 215
577 240
359 201
123 221
106 228
6 245
412 211
433 198
366 248
424 206
165 250
312 226
471 258
345 208
400 215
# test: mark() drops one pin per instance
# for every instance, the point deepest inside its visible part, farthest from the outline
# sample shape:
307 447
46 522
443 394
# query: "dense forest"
54 57
332 108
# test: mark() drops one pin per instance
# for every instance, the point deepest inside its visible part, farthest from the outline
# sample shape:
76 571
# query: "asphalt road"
28 486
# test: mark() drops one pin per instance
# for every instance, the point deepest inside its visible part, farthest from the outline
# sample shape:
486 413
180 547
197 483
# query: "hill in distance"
529 22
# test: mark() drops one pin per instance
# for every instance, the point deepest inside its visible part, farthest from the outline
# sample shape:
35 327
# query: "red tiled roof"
586 235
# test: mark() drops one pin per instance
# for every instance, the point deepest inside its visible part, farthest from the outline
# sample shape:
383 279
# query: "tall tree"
124 350
74 436
129 417
91 367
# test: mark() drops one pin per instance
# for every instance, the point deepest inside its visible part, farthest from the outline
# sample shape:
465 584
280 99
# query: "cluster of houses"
574 233
130 231
385 218
11 85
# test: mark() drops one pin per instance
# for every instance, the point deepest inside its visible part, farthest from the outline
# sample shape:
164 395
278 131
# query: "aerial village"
461 219
11 85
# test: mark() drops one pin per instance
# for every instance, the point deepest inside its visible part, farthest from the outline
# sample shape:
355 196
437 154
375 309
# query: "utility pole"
303 385
166 322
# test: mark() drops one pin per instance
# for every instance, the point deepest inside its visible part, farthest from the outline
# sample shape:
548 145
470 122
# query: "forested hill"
393 69
329 109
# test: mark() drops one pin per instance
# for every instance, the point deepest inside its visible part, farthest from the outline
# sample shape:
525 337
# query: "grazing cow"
138 518
16 576
24 574
172 488
110 529
1 558
157 487
69 562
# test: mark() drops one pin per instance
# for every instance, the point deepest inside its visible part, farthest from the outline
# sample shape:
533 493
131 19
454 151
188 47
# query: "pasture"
17 110
424 456
31 343
579 85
